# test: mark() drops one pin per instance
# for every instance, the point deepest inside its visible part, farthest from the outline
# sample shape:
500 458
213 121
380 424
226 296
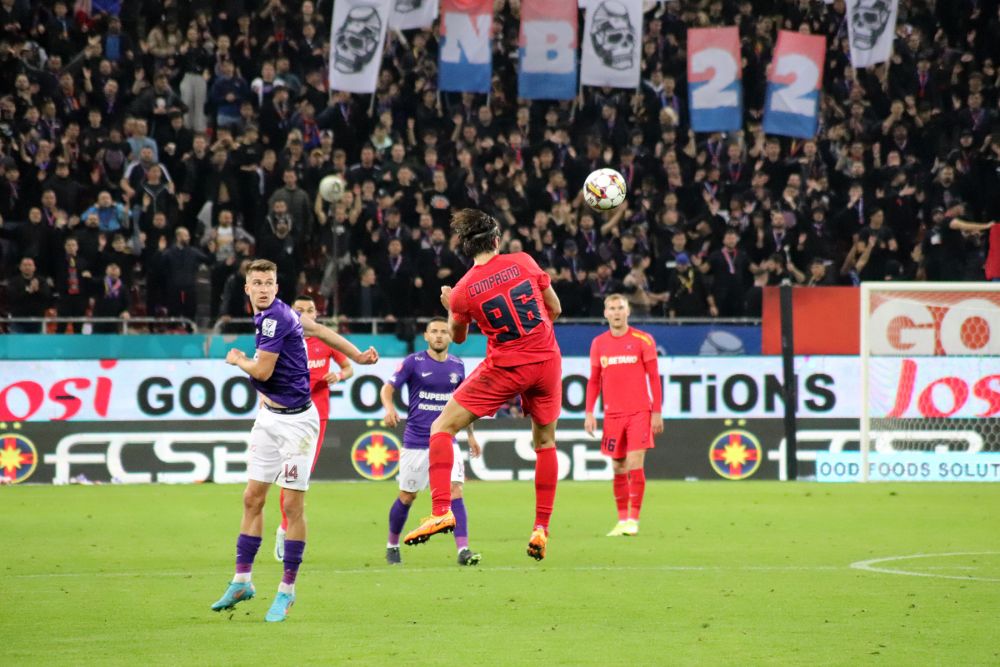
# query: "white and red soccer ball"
604 189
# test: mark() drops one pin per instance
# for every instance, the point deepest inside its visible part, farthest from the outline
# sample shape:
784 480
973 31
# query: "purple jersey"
431 383
279 330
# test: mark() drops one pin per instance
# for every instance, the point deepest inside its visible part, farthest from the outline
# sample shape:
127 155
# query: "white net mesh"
933 364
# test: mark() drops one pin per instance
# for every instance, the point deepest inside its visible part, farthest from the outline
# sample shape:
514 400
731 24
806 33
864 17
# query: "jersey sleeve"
535 271
458 304
273 330
402 373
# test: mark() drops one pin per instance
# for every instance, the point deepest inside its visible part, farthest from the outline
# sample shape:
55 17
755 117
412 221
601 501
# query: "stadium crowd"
149 139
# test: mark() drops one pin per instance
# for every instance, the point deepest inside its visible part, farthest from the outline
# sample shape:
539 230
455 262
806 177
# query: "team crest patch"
735 454
604 362
268 326
18 458
375 455
453 378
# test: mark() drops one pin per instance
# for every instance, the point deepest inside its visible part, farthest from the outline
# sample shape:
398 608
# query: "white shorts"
282 448
414 466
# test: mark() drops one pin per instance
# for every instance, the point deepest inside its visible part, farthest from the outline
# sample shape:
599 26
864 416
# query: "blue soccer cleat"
236 593
279 608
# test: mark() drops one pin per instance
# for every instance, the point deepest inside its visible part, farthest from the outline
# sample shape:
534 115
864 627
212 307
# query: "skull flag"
412 14
612 43
548 50
465 63
357 34
871 27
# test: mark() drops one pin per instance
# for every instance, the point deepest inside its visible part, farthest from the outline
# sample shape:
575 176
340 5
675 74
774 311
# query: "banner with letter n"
715 88
357 35
547 50
871 27
612 43
793 87
413 14
466 60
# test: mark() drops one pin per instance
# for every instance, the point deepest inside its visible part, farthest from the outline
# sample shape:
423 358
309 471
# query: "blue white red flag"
548 50
466 60
715 86
794 84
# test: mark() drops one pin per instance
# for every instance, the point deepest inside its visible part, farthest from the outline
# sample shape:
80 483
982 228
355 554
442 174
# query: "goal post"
930 369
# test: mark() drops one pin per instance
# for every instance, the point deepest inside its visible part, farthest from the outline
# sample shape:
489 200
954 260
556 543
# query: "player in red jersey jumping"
624 359
513 303
321 376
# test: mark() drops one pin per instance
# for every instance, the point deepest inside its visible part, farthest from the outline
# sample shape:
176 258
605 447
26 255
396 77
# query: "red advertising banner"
826 320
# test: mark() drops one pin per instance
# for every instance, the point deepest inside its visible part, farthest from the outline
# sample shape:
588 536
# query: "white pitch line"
484 568
870 565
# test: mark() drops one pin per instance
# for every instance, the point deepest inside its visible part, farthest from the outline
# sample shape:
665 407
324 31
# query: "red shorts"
626 433
539 385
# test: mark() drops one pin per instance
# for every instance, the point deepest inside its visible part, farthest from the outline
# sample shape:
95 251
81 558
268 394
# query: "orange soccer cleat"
431 525
536 545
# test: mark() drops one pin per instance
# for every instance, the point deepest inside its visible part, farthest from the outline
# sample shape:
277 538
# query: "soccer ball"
604 189
331 188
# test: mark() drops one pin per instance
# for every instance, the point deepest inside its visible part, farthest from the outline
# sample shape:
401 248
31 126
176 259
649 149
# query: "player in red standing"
321 376
512 301
623 360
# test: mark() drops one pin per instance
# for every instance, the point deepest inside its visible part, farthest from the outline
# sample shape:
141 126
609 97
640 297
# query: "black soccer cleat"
467 557
392 556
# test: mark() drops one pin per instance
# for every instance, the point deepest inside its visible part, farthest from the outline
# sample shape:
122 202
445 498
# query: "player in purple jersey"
284 433
431 377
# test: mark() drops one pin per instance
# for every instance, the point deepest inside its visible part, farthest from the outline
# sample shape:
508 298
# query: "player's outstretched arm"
552 303
458 329
338 342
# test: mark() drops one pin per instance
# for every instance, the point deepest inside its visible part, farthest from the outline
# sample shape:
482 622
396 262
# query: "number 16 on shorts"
793 85
714 78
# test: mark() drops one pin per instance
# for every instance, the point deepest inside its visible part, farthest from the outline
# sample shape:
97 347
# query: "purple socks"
293 558
246 551
461 523
397 519
399 512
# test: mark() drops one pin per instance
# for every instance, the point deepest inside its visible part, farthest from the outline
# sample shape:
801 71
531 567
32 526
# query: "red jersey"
320 355
504 297
627 364
993 255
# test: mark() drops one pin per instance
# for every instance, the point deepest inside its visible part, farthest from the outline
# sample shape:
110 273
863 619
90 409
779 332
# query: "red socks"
621 495
546 476
442 458
636 489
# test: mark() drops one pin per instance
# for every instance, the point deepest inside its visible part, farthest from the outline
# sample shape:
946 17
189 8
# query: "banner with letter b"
715 87
466 59
547 47
793 86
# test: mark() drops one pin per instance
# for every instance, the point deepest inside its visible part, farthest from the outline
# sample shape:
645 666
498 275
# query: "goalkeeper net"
930 362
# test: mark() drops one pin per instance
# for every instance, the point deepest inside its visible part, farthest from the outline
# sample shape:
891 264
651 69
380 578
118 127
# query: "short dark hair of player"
262 265
435 320
305 297
478 231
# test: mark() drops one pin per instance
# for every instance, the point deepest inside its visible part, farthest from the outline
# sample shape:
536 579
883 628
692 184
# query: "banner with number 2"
793 85
714 78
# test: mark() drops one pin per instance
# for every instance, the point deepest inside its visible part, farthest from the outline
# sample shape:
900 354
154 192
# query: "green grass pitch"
721 574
